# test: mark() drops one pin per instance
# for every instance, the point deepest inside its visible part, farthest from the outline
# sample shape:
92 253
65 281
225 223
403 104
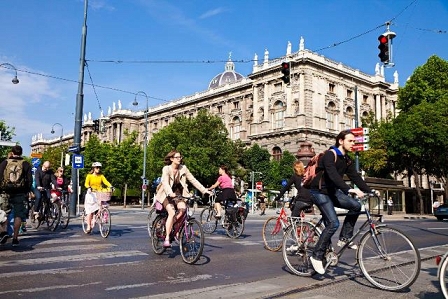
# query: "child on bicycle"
94 182
174 184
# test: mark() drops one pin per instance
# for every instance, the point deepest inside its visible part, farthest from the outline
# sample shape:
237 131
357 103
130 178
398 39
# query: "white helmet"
96 164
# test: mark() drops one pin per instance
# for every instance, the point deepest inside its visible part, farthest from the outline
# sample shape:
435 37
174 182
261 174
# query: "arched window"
235 128
349 118
331 116
278 115
277 153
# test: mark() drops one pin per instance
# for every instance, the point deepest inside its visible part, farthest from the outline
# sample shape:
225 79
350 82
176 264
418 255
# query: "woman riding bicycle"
174 184
59 183
227 191
328 190
94 182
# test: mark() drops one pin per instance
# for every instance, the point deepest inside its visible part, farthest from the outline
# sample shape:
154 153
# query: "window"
349 118
236 105
331 116
279 112
219 108
235 128
349 93
365 98
276 153
331 87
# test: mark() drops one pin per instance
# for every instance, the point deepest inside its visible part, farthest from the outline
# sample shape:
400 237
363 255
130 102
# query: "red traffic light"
383 39
285 66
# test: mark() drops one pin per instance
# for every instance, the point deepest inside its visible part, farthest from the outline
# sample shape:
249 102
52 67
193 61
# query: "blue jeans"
326 204
38 199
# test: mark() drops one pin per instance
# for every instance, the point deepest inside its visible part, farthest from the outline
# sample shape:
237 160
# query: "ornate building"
319 102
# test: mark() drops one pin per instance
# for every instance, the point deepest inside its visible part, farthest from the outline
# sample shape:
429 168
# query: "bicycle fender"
444 257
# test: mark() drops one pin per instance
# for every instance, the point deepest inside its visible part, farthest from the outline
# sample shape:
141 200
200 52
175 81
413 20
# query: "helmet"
96 164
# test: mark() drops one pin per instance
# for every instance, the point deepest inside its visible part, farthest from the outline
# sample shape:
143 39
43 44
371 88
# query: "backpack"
13 176
311 170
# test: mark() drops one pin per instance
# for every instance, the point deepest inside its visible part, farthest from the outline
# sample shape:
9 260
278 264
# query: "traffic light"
286 72
96 125
384 48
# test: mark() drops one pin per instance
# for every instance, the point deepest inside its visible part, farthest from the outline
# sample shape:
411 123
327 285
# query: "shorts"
227 194
19 204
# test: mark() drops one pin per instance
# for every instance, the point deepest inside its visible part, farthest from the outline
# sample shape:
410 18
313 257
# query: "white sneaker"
292 248
317 265
352 245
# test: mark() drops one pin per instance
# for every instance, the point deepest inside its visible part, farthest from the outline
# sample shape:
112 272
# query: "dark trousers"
38 199
326 204
389 210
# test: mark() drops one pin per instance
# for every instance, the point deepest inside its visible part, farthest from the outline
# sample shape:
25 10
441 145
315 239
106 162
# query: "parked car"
441 212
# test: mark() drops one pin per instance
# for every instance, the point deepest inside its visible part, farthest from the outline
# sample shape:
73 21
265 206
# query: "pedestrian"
390 205
436 204
224 182
262 201
174 183
329 190
303 198
16 181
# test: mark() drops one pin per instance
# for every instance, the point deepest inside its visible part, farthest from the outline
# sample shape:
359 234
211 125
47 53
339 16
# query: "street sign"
35 162
74 149
362 139
36 155
359 147
360 131
78 161
259 186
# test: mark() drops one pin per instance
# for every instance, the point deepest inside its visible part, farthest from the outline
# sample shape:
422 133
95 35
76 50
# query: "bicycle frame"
282 221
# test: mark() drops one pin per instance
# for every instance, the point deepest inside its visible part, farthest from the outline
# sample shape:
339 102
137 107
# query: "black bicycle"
49 212
387 257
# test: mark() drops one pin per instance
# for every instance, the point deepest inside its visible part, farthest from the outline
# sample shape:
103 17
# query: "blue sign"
35 162
78 161
74 149
284 183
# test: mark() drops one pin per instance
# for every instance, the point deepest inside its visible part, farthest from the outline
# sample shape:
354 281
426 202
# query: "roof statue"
302 44
288 48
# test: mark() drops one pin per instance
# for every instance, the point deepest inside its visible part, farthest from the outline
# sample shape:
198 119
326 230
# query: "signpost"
78 161
362 139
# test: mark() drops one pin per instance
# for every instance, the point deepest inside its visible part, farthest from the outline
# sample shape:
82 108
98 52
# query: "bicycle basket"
103 196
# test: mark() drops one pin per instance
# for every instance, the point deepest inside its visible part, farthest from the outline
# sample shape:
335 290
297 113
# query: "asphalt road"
68 263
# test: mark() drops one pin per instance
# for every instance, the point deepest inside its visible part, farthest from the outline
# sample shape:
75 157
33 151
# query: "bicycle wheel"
235 228
104 222
33 221
443 277
65 215
53 215
272 234
158 234
391 264
84 221
208 220
151 217
298 244
191 241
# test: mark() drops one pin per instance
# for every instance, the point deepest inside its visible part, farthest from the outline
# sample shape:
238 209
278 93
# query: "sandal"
166 244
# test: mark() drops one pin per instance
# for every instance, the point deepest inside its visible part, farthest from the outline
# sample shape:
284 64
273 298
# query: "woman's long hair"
299 168
226 170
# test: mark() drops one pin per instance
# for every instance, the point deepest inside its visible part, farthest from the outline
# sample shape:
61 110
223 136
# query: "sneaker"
166 244
15 242
3 237
292 248
317 265
342 242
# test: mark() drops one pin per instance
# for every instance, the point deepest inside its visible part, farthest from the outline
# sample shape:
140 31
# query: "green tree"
7 133
256 159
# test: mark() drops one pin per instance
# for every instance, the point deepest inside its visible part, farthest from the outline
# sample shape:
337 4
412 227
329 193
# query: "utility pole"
78 113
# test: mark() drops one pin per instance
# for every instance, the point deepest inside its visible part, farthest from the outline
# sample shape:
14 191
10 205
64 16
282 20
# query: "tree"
7 133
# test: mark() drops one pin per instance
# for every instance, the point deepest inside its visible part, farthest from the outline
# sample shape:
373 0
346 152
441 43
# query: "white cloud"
212 13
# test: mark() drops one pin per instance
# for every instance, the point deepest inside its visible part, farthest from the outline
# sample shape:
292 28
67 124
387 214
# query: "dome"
228 76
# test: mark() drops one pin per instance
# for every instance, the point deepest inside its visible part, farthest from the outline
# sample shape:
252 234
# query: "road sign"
360 131
362 139
284 183
359 147
35 162
74 149
78 161
259 186
36 155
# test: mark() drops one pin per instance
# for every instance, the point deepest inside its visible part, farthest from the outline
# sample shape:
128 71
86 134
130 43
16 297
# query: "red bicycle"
273 229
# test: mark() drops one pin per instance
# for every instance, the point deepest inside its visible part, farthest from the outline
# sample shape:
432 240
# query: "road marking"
175 281
61 249
52 287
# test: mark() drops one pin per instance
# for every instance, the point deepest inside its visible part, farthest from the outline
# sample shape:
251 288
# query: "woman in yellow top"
94 182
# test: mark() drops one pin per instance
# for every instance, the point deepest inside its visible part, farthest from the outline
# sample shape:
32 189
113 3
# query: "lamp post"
60 140
145 144
10 66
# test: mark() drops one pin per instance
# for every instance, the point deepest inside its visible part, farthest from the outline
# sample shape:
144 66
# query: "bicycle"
65 209
102 217
387 257
235 215
442 273
49 212
186 231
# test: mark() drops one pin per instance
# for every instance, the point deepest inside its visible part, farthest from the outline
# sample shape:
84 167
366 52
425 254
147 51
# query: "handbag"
159 206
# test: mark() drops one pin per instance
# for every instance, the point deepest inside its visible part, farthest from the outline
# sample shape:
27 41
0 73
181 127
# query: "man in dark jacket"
18 196
43 177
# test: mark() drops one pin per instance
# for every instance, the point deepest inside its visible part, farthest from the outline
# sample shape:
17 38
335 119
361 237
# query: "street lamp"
14 80
145 144
60 139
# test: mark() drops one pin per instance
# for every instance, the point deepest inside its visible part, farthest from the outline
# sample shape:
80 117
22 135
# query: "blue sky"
159 47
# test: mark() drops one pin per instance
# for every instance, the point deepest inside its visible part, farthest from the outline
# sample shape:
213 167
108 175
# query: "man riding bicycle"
43 178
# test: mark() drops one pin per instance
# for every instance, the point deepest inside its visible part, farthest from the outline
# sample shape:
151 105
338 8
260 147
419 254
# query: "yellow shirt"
96 182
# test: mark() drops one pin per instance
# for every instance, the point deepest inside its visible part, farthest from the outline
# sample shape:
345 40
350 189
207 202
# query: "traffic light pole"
356 126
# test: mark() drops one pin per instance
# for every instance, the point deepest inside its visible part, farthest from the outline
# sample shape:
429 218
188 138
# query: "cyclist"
59 184
94 182
43 177
303 198
174 183
227 191
328 190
